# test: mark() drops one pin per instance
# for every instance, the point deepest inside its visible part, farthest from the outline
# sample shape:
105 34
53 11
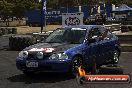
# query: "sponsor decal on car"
47 50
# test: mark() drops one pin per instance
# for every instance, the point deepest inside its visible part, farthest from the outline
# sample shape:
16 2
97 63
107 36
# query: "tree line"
17 8
58 3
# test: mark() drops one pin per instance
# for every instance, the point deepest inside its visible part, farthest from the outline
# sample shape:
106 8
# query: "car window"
67 35
104 33
94 33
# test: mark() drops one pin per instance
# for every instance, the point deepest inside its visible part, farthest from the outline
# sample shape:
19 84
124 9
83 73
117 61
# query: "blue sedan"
70 47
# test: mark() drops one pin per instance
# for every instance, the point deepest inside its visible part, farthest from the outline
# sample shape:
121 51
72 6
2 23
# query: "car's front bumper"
45 66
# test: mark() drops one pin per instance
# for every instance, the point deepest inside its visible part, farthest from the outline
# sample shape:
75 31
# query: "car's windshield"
67 35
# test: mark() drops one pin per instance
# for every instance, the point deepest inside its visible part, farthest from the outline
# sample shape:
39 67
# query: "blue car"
70 47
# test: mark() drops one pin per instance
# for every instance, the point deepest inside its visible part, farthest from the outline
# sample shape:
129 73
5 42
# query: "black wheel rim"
76 63
116 56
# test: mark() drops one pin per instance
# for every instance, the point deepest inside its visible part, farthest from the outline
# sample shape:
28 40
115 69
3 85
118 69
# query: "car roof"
83 26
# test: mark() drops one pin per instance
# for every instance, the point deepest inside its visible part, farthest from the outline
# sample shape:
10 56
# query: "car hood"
59 47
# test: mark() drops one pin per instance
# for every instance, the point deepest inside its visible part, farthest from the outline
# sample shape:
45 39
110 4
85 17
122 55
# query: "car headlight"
40 55
58 56
23 54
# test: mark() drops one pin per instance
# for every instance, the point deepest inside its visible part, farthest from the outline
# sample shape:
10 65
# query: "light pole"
67 6
79 5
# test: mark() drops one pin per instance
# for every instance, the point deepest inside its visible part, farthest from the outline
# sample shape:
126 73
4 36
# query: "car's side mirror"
92 40
89 41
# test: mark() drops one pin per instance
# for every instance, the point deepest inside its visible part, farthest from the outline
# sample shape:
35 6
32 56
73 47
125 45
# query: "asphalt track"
10 77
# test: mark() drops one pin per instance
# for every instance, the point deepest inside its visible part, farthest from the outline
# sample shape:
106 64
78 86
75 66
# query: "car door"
104 45
92 47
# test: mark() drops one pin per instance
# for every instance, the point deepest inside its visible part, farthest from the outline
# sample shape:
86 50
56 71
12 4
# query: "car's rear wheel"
115 58
77 62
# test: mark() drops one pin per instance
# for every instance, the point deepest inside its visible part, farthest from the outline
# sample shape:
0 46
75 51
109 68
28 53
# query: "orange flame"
81 71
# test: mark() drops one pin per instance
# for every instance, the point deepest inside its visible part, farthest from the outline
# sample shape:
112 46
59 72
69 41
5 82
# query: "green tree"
18 8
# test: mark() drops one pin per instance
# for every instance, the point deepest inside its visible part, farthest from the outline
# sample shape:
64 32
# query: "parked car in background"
70 47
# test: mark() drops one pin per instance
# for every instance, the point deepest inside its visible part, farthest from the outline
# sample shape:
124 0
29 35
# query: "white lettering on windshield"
77 29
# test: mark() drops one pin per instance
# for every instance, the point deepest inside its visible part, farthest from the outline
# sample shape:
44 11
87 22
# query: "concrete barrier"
126 41
126 47
125 38
126 28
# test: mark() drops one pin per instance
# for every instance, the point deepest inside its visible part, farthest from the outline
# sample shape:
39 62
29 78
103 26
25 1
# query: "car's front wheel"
115 58
77 62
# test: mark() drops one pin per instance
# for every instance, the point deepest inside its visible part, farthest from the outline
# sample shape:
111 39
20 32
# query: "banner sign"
70 19
43 12
44 6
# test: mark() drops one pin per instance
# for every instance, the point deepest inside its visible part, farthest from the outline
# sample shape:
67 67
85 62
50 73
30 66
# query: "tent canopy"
122 8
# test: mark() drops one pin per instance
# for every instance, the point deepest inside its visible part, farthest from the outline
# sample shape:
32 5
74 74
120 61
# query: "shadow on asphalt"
41 78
